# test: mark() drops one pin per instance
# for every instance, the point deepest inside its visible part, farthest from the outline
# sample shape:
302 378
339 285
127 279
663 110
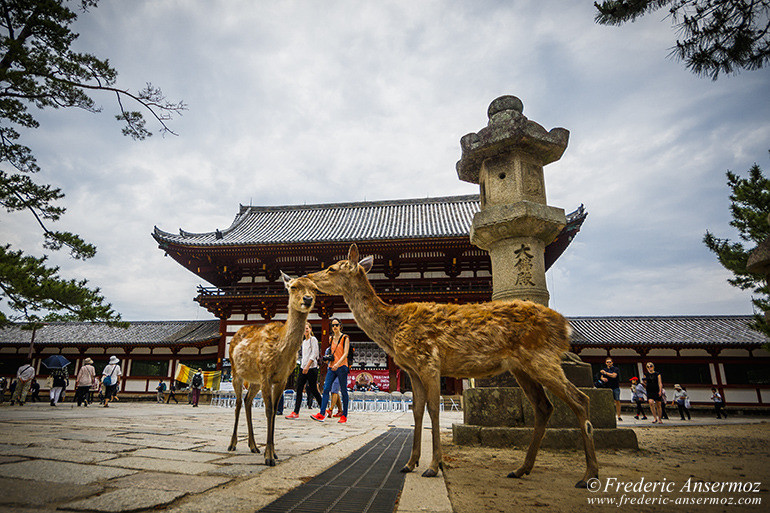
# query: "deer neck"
371 313
294 329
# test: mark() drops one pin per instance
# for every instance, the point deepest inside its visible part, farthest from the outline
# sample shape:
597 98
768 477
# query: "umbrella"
56 361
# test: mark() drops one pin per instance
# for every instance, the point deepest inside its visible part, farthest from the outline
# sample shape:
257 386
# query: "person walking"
681 401
654 386
34 391
161 388
197 385
59 383
172 392
24 376
110 379
638 396
663 401
612 374
84 381
308 375
719 403
337 371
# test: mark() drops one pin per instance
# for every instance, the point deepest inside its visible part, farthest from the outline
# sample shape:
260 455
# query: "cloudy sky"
310 102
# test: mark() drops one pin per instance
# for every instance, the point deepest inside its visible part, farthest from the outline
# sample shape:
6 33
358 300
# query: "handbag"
687 403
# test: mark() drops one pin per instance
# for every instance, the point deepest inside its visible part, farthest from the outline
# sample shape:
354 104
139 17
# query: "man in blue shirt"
612 374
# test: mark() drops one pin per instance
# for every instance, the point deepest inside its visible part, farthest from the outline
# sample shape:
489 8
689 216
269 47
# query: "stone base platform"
555 438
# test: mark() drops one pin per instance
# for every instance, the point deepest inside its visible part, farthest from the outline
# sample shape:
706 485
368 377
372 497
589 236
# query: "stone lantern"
515 224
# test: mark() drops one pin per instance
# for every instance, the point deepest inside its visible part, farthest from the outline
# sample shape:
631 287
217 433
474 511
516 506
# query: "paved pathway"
141 456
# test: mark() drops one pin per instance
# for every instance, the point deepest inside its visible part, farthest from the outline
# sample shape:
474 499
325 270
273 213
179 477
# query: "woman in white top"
308 375
111 377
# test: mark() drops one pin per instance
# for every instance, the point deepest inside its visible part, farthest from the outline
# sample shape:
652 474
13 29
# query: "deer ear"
366 263
286 279
353 253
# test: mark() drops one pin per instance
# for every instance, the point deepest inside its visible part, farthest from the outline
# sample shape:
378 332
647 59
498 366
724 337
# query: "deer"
475 340
264 356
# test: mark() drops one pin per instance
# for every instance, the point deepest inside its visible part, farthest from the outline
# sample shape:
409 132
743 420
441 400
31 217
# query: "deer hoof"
231 447
516 474
406 469
270 462
581 484
429 473
255 450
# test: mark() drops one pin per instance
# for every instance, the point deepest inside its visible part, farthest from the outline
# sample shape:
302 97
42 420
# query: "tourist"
84 381
197 385
654 385
161 388
337 371
172 392
334 401
110 379
681 401
663 401
612 374
719 403
308 376
34 391
24 376
3 383
60 382
638 396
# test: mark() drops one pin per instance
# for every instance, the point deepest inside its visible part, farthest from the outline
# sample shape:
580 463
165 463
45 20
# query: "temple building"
421 252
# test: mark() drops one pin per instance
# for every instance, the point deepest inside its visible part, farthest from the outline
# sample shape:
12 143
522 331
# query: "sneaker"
328 413
343 419
644 418
636 417
318 417
292 415
619 418
338 414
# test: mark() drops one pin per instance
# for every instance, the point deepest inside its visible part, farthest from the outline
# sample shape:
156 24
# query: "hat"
114 359
634 379
677 386
88 361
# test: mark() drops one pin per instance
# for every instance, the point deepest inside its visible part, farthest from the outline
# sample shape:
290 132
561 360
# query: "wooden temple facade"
421 252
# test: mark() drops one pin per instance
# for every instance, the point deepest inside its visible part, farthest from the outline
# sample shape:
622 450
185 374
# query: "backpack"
351 354
197 380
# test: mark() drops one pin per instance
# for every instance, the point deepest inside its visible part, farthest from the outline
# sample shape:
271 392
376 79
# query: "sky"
301 102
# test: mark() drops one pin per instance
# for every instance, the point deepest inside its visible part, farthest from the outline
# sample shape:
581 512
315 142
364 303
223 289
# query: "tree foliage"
39 69
717 36
750 205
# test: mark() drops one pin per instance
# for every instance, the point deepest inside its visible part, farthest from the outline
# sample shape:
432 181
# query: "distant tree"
39 69
750 204
718 36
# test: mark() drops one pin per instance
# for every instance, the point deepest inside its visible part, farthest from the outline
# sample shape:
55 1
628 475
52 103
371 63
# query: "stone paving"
147 456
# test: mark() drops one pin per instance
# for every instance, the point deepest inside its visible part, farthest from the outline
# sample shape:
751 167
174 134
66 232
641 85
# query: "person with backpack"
110 379
24 376
197 384
161 388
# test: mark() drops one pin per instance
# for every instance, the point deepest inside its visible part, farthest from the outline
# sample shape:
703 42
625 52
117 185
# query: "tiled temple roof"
140 333
425 218
696 331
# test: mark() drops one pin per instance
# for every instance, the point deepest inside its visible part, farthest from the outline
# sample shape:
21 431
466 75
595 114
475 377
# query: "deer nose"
308 300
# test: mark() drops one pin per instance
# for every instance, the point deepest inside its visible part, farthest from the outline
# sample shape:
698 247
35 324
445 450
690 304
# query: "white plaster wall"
661 352
188 350
694 352
161 351
141 350
740 396
765 392
136 385
761 353
624 352
734 352
593 351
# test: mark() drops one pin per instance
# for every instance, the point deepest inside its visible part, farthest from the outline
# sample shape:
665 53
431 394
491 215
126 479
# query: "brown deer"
264 357
430 340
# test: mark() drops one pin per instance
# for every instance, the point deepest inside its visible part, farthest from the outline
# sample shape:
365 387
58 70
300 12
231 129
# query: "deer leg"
578 402
253 389
418 410
270 407
238 388
432 384
543 409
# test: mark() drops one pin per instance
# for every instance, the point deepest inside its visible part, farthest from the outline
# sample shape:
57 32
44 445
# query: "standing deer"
430 340
264 357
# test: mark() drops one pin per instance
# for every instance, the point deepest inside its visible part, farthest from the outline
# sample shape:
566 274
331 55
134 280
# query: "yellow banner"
211 379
